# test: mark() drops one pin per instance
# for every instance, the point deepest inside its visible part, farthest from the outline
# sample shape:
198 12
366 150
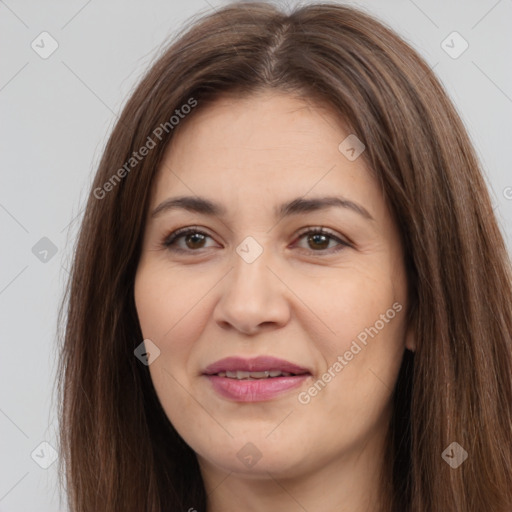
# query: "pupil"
316 236
195 235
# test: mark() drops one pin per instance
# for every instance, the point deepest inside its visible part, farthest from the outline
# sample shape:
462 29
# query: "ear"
410 337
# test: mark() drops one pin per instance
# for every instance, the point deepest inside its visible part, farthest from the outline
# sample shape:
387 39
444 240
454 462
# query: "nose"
254 297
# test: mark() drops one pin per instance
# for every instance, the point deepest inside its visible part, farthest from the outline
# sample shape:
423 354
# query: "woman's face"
252 282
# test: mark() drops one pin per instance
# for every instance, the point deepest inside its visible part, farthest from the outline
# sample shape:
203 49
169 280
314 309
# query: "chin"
255 457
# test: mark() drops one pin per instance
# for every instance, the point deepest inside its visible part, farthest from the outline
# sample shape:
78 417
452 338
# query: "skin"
298 301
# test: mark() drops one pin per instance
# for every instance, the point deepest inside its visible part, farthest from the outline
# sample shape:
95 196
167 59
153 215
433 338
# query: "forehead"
271 121
268 141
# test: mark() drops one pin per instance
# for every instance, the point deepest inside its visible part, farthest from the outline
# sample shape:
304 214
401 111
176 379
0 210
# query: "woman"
289 290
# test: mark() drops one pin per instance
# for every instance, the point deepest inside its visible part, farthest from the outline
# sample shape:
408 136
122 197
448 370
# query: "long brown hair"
119 450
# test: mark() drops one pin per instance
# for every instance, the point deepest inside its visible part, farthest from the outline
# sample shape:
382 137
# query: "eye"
320 238
194 238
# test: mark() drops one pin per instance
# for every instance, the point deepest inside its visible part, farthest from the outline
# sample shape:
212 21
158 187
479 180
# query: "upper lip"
256 364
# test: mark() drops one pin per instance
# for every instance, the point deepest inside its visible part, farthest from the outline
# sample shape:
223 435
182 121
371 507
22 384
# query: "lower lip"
257 390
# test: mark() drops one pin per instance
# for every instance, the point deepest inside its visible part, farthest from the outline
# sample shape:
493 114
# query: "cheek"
361 364
363 353
165 304
173 311
165 309
352 304
168 315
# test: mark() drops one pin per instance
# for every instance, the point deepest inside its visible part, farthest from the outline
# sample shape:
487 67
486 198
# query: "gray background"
56 115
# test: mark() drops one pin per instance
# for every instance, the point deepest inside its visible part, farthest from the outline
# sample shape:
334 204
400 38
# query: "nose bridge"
251 292
250 273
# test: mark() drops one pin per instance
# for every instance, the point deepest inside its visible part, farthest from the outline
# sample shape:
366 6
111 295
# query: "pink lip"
254 390
256 364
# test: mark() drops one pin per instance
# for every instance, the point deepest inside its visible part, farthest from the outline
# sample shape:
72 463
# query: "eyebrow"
201 205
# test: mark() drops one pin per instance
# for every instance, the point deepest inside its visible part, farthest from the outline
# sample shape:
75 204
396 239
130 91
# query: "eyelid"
325 231
177 233
343 241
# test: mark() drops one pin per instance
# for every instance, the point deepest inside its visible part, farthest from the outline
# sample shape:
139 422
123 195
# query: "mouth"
266 374
254 380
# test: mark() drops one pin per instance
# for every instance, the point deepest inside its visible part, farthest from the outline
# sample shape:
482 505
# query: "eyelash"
170 239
